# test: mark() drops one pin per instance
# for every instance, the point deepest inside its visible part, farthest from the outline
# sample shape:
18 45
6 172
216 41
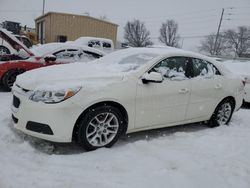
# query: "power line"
232 8
207 13
20 11
187 37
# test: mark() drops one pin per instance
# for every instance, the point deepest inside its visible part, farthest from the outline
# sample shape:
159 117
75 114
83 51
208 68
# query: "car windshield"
135 61
127 60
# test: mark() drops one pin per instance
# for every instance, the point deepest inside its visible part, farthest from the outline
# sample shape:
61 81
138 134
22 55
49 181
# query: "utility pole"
218 31
43 6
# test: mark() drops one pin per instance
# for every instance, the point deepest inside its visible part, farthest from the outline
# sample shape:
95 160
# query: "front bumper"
36 118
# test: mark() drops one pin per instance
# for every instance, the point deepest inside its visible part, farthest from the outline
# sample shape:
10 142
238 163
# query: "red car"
12 65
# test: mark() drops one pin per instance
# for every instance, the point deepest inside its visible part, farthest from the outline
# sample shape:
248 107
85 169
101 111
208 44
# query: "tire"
100 127
245 104
222 114
10 77
4 50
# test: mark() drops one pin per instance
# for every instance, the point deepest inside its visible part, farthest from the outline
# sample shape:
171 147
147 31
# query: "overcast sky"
196 18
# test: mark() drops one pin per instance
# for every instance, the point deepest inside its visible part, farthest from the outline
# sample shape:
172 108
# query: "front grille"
16 102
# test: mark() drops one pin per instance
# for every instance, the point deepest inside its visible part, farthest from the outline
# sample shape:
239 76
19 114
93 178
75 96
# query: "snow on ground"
186 156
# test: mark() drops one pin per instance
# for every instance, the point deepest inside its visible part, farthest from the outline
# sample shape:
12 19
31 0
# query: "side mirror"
155 77
49 58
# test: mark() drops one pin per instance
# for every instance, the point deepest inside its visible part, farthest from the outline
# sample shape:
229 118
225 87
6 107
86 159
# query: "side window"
59 54
94 43
87 56
173 67
91 54
106 45
72 53
26 42
202 68
66 54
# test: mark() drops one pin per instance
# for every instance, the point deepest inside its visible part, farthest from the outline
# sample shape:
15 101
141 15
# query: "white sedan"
126 91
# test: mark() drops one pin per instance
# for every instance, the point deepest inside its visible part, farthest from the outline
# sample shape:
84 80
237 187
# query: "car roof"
166 51
52 47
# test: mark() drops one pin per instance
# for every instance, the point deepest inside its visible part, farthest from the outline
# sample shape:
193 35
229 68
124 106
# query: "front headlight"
51 97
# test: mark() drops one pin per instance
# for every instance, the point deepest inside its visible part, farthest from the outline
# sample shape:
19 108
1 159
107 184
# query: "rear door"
206 89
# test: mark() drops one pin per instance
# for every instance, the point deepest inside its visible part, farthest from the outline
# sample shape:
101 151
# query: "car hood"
68 75
12 40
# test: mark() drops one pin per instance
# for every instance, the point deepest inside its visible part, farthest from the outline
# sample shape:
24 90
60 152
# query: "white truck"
103 44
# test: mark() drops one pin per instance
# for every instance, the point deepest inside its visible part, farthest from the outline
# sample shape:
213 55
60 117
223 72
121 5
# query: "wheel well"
104 103
16 69
229 98
2 46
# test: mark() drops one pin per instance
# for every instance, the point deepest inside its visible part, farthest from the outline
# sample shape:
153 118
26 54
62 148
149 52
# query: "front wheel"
222 114
4 50
10 77
100 127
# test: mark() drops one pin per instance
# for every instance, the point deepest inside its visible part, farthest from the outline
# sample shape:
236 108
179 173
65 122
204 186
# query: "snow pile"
187 156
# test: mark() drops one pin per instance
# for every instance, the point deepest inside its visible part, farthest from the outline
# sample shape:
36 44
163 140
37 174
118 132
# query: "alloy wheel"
102 129
224 113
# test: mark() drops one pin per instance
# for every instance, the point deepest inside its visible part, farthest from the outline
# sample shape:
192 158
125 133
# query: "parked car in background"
241 68
103 44
126 91
25 40
44 55
65 52
6 48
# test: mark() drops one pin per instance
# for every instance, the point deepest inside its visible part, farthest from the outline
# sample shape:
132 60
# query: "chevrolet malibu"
126 91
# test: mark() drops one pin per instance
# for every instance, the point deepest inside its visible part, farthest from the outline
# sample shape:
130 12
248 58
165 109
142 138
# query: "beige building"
61 27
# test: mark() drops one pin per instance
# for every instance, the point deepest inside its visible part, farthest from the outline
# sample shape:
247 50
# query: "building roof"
68 14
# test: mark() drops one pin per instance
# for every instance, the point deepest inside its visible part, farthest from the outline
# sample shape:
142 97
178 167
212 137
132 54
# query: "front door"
158 104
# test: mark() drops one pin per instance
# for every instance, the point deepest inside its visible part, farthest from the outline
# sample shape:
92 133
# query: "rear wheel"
222 114
10 77
4 50
100 127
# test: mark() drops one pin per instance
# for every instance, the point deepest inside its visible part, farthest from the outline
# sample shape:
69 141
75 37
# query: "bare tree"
168 33
207 45
136 34
238 40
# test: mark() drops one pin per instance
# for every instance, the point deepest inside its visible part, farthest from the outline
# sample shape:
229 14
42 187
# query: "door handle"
218 86
184 90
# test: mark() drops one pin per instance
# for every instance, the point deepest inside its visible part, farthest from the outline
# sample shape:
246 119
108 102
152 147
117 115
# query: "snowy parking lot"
184 156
